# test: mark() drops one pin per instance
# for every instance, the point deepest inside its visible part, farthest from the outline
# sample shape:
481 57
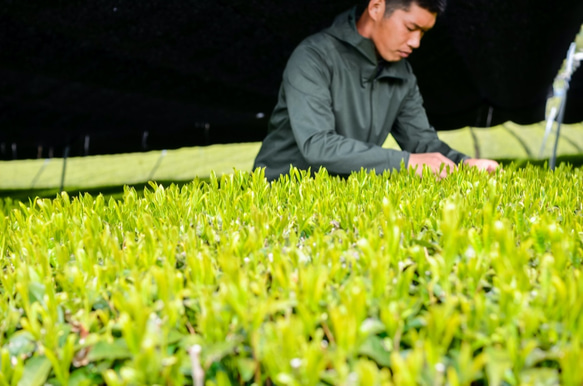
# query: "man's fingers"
483 164
444 171
440 165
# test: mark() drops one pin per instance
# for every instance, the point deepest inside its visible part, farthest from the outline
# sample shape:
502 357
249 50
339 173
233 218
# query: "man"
346 88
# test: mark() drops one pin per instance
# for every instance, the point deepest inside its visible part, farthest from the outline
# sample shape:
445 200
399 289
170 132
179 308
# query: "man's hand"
482 164
434 161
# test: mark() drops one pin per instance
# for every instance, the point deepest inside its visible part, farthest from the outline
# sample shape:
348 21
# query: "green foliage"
387 279
579 39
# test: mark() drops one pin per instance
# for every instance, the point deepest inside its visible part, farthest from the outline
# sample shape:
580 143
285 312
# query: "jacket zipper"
379 69
372 85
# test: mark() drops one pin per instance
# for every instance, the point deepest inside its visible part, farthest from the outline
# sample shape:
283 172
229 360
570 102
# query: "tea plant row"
373 279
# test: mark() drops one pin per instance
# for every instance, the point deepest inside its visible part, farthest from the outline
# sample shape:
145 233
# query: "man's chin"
394 59
390 56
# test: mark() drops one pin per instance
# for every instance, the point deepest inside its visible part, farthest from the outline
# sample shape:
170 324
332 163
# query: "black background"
115 76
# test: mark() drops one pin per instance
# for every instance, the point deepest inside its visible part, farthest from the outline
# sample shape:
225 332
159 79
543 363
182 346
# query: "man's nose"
414 40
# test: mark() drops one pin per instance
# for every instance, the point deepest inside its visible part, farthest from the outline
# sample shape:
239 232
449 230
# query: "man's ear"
376 9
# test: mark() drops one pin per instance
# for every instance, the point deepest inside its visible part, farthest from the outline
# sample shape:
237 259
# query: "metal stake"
572 64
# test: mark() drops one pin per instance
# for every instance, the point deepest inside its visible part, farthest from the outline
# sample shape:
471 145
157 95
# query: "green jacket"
338 103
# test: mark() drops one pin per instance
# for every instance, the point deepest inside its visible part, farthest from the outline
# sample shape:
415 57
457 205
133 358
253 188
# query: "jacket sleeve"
413 132
306 82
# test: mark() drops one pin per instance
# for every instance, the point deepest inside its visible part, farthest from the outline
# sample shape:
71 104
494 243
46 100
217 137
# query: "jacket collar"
344 29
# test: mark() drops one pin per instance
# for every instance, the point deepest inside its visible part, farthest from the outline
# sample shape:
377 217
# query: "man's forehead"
418 17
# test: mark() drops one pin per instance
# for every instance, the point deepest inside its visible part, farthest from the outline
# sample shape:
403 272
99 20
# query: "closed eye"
415 27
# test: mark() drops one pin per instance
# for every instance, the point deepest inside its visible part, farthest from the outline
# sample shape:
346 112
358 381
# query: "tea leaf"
36 371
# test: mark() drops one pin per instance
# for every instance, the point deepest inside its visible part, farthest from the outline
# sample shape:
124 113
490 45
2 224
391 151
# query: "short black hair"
433 6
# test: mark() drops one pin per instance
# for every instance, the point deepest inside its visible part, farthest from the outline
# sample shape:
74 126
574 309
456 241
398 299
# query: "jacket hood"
344 28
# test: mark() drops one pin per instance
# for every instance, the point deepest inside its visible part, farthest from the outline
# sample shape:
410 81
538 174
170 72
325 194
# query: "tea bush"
373 279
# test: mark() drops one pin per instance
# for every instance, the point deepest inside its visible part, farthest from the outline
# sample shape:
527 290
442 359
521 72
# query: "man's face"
396 36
